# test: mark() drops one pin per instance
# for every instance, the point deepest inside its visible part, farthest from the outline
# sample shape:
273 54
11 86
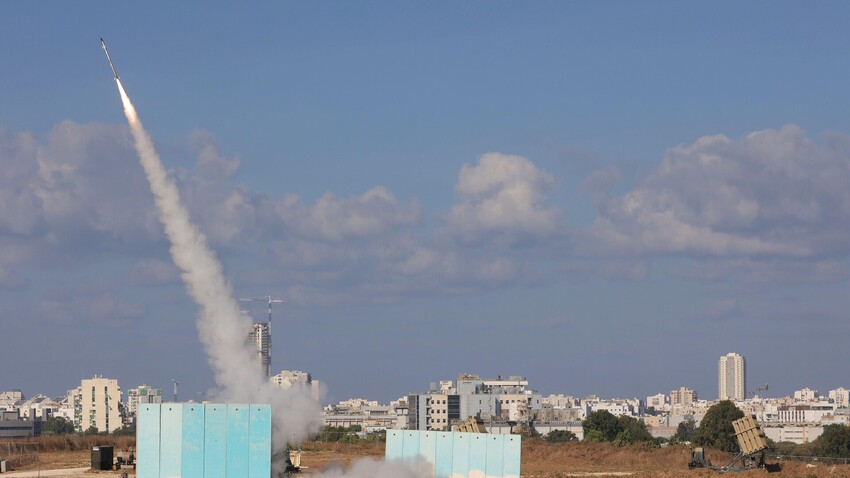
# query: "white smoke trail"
222 328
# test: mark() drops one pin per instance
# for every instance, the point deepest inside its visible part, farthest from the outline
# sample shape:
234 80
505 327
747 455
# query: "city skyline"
682 394
604 198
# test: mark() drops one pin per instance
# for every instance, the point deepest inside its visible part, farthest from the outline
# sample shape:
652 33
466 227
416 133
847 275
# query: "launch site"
442 240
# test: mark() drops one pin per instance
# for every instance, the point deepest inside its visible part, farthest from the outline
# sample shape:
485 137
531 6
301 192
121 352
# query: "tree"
57 426
92 430
685 431
834 442
560 436
601 421
631 430
601 425
715 430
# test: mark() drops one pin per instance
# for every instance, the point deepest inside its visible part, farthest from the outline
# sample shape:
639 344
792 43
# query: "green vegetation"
57 426
684 432
834 443
716 431
601 425
560 436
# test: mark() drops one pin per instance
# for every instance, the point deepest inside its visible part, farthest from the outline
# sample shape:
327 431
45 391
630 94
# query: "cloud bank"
770 205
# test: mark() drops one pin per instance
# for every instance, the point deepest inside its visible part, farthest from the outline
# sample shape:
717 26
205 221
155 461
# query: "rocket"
103 45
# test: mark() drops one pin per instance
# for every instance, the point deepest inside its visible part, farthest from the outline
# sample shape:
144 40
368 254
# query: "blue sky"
605 197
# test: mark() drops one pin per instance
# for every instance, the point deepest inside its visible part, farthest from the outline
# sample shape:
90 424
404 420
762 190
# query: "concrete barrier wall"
458 455
192 440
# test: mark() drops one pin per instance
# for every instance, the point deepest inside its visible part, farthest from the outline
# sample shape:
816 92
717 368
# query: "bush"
560 436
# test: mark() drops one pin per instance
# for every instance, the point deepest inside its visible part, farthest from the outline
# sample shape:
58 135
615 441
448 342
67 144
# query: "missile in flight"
103 45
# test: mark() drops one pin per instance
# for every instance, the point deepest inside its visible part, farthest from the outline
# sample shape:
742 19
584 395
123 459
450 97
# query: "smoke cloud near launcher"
238 375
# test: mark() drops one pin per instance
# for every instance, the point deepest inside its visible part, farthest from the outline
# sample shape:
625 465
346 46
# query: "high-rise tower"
260 337
732 377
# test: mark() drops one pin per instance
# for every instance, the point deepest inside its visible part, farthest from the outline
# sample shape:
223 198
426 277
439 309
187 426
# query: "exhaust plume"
222 329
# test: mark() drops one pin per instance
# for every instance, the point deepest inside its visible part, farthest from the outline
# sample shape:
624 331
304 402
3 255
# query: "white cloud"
210 162
502 195
375 212
770 193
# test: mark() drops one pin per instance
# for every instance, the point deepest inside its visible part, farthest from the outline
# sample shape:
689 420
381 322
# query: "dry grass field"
539 459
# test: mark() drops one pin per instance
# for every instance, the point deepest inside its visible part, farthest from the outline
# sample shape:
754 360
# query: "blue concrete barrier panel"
147 441
458 455
495 455
171 441
478 454
193 440
395 445
237 440
260 441
512 456
411 445
215 441
443 455
192 460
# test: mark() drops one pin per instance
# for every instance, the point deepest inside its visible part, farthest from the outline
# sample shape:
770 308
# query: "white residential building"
811 412
97 404
682 396
841 397
354 405
658 402
732 377
806 395
798 434
287 379
616 406
142 395
9 400
561 401
39 406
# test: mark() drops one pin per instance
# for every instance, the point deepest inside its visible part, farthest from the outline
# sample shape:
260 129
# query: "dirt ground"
539 460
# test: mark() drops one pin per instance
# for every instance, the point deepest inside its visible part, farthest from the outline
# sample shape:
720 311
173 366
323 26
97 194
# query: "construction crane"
759 389
269 299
